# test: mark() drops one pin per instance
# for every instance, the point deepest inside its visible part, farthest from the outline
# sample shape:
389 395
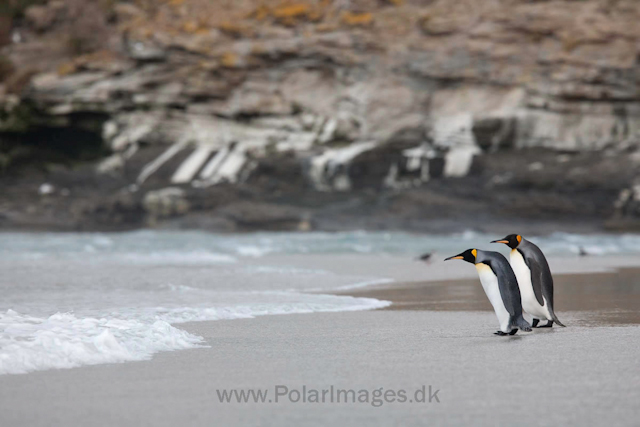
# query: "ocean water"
80 299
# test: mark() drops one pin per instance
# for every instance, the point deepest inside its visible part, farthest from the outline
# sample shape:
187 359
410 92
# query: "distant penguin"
500 285
534 279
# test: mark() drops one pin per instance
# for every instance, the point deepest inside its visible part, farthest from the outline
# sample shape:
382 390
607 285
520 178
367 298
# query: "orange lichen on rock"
291 14
439 26
258 49
67 68
176 2
190 27
315 15
103 56
230 60
296 10
102 59
146 32
260 13
357 19
235 30
326 27
570 41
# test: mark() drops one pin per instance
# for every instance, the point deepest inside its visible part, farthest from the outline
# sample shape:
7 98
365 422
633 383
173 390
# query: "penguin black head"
512 240
469 255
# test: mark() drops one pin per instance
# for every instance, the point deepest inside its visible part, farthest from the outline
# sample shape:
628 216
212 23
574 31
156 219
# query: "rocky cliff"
253 114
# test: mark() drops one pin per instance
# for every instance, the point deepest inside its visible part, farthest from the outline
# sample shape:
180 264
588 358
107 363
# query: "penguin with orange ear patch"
500 285
534 279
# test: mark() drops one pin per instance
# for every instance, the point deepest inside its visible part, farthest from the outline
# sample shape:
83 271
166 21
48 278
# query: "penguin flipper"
538 278
541 277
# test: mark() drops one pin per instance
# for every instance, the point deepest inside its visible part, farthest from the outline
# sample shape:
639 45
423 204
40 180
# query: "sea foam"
64 341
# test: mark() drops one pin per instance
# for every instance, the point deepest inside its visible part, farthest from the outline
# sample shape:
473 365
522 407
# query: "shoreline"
414 286
585 371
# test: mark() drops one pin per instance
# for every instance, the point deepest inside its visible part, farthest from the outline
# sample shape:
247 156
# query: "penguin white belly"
530 303
490 285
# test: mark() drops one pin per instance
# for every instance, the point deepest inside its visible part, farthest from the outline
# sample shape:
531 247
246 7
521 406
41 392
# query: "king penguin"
500 284
534 279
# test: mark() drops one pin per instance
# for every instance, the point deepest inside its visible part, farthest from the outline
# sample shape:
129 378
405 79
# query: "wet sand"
437 333
607 298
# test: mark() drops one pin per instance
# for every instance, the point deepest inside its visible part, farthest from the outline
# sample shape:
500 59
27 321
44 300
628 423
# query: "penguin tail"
523 324
555 318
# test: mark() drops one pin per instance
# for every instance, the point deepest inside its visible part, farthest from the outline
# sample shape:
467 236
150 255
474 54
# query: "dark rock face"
495 133
6 23
33 139
414 110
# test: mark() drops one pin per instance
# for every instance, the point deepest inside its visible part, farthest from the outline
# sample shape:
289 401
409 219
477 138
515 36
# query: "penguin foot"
513 332
548 325
500 333
534 323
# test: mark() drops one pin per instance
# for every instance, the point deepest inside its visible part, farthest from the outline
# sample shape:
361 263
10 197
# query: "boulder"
265 216
166 202
41 18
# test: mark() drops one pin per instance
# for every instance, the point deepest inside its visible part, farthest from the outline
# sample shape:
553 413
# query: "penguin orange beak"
501 241
454 257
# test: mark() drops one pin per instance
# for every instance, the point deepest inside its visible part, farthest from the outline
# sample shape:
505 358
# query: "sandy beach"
578 375
437 333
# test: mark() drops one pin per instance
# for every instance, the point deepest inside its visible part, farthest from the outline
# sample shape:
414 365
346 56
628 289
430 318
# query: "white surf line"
357 285
367 283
